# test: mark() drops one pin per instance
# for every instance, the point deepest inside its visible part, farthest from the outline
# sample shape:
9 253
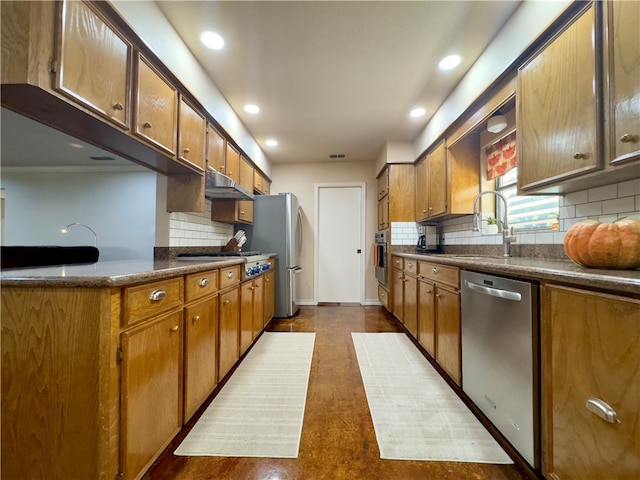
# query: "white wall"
119 205
148 21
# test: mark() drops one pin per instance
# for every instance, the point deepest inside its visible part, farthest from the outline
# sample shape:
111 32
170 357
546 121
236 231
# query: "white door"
339 251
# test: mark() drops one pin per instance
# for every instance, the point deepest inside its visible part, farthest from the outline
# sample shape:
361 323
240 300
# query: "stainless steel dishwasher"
500 356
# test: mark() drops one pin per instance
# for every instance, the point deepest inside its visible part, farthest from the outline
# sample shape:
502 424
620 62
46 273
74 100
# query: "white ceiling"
336 76
330 76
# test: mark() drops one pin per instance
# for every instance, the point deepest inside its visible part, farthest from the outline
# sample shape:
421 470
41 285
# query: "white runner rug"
259 412
416 415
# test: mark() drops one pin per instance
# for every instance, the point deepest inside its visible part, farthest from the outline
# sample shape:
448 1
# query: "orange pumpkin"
616 245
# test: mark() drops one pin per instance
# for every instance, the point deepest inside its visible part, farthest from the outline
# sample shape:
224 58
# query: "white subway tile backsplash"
591 209
619 205
603 193
189 229
629 189
575 198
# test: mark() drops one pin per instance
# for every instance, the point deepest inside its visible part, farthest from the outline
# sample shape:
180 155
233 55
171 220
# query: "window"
532 212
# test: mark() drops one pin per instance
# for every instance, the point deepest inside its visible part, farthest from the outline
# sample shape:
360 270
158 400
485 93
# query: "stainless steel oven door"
381 264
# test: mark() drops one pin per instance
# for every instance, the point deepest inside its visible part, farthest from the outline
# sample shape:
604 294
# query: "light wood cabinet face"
383 213
232 163
200 376
95 63
402 206
422 190
448 353
151 391
258 305
590 349
410 304
201 284
228 331
156 108
269 295
438 181
246 315
624 58
427 316
383 296
383 184
141 302
192 135
397 286
216 150
556 108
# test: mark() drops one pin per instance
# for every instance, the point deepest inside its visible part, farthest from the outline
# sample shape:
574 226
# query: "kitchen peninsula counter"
563 271
107 274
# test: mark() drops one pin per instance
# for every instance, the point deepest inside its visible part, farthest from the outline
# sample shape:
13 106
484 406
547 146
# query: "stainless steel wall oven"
381 257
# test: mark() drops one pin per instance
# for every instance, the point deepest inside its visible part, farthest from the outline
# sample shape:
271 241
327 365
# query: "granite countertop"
563 271
109 273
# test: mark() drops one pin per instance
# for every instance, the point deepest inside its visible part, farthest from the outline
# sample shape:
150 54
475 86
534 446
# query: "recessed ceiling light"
417 112
271 143
212 40
252 109
447 63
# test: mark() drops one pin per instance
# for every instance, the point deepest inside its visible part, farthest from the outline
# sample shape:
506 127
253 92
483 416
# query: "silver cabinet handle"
157 295
602 409
230 275
203 282
146 124
579 155
435 270
628 138
494 292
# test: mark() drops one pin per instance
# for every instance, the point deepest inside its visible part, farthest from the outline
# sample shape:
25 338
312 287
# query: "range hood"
220 187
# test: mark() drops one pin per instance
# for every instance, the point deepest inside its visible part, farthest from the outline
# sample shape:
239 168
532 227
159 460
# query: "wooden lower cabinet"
246 315
200 352
448 350
427 316
410 303
383 296
151 391
397 286
228 331
269 295
258 306
590 356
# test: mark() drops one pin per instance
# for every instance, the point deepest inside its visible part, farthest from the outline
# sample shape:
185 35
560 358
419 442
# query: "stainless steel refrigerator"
277 228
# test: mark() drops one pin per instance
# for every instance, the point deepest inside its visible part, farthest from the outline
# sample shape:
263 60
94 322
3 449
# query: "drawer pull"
226 302
410 265
579 155
602 409
230 275
157 295
175 328
196 319
203 282
435 270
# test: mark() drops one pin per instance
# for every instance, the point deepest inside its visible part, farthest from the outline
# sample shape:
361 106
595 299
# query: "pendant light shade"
497 123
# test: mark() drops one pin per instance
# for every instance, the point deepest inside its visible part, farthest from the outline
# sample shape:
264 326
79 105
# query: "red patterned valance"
501 156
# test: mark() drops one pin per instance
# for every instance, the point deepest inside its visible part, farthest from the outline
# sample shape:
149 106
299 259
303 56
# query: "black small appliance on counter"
428 240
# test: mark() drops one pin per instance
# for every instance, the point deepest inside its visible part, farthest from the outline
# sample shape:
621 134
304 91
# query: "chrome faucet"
95 235
507 234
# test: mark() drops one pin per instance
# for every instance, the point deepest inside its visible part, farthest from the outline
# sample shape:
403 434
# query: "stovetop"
217 254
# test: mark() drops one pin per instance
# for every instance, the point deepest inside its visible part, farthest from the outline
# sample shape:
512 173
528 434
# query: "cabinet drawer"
200 284
229 276
440 273
383 296
145 301
397 262
410 266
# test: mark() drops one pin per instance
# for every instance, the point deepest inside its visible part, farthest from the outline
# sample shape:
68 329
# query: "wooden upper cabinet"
156 108
624 79
245 207
232 163
422 190
192 134
438 182
383 183
94 64
557 111
401 193
216 149
259 182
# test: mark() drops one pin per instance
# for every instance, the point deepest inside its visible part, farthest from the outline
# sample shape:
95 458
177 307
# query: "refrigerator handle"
299 231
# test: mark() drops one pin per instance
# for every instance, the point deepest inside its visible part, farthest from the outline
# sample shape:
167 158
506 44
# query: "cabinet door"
151 391
401 198
438 181
201 329
448 332
245 207
410 304
95 63
258 305
269 296
228 331
216 148
156 108
383 183
590 350
556 108
422 190
624 83
397 284
232 163
246 315
427 316
383 213
192 135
